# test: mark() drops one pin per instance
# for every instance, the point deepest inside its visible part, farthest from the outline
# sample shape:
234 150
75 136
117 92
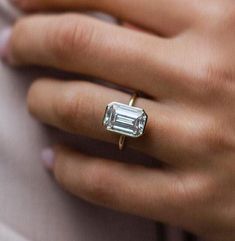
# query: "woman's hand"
187 67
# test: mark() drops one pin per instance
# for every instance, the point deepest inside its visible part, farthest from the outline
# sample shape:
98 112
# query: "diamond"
125 120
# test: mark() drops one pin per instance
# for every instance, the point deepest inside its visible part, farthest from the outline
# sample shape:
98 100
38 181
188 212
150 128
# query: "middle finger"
154 15
78 107
81 44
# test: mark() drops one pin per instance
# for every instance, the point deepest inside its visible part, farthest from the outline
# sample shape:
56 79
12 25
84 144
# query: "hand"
186 66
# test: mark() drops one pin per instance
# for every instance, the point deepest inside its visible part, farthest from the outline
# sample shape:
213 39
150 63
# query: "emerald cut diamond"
125 120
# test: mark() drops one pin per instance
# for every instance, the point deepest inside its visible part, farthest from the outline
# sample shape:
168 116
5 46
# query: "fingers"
78 107
81 44
120 186
155 15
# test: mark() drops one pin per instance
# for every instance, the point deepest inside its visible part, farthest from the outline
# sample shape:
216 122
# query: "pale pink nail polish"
48 158
5 35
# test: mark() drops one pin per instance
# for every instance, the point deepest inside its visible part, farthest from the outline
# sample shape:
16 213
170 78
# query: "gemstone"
125 120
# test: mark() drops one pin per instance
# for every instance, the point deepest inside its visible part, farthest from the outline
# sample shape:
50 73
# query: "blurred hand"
186 65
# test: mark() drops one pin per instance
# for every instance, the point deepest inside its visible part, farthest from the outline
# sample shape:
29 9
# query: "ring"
126 120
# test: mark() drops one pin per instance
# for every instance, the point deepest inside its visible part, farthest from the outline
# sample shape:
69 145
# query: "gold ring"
126 120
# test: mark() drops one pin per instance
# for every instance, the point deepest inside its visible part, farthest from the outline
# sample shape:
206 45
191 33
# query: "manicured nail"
48 158
5 35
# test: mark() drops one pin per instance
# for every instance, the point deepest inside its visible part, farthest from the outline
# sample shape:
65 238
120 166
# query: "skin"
185 62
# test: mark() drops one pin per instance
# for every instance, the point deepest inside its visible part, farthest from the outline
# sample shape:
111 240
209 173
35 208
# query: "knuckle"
72 105
225 13
211 138
221 16
218 73
67 107
99 184
66 39
204 192
194 190
215 139
215 136
62 173
214 78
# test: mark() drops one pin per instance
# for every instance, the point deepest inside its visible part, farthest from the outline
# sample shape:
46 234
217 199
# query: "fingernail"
48 158
5 35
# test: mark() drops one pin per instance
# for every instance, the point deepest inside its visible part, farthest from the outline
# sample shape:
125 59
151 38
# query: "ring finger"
78 107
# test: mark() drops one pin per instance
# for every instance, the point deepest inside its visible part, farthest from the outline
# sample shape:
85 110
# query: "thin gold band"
123 138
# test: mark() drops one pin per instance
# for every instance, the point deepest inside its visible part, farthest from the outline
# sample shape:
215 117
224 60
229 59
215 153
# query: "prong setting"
125 119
